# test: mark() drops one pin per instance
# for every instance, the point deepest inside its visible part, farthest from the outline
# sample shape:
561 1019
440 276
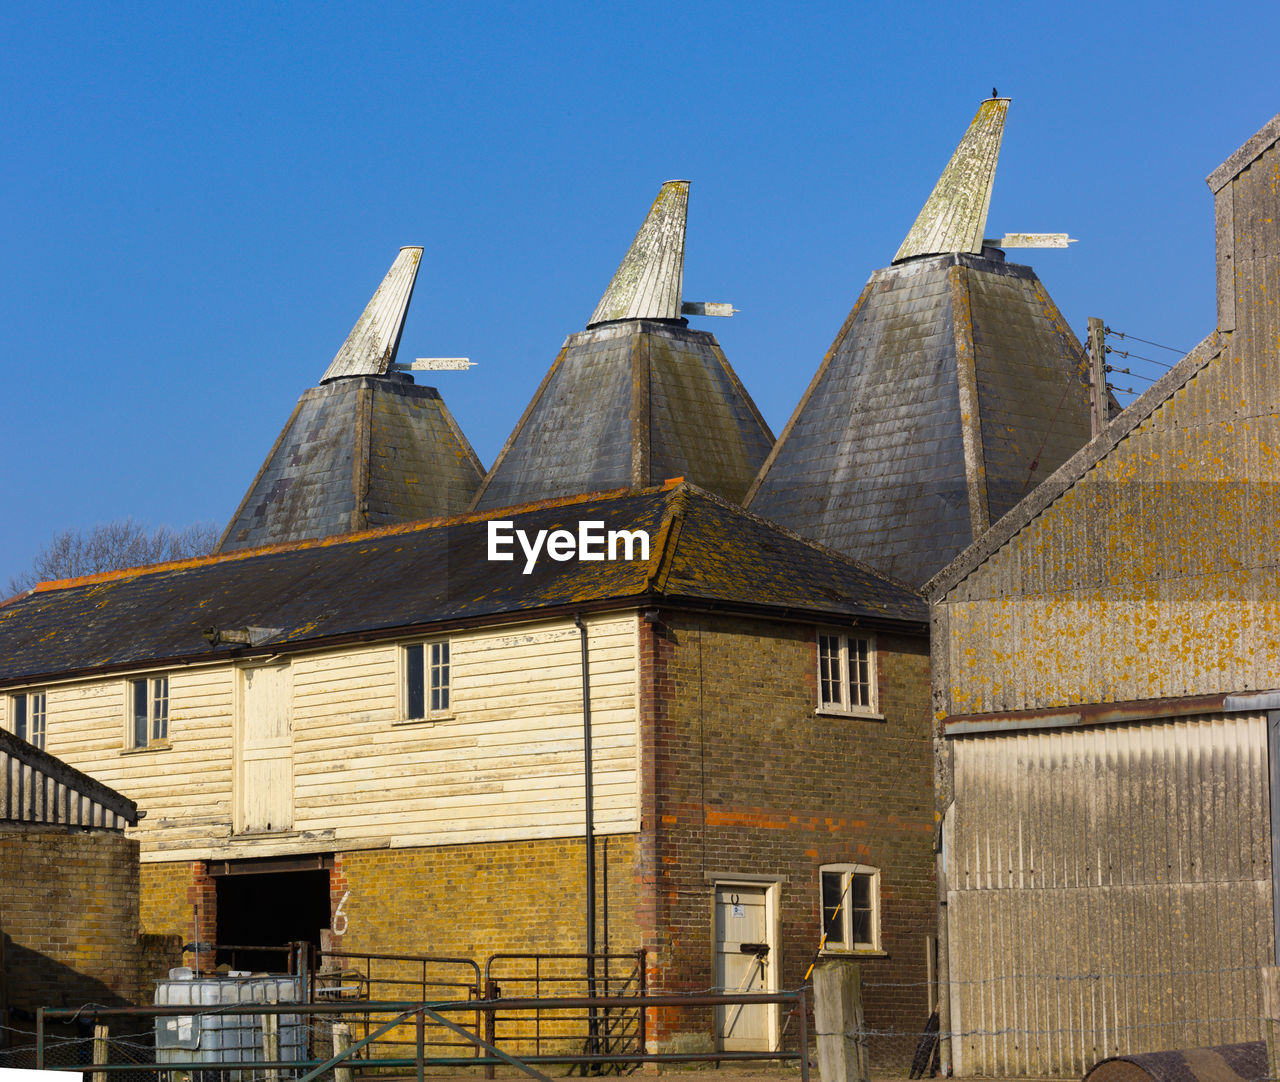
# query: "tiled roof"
357 453
703 551
632 403
953 388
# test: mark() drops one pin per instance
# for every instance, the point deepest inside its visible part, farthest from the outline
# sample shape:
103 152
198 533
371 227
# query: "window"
29 717
149 708
846 674
850 907
426 680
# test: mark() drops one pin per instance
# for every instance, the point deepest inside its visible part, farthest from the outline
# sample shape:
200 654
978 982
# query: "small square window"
28 711
149 710
850 907
426 680
846 674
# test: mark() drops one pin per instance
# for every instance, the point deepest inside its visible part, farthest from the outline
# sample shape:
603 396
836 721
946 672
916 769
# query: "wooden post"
99 1050
1097 376
1271 1017
837 1016
341 1042
271 1045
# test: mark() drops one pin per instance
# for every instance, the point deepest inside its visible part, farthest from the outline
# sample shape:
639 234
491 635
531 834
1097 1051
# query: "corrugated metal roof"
648 282
703 551
953 388
38 789
632 404
371 346
357 453
955 215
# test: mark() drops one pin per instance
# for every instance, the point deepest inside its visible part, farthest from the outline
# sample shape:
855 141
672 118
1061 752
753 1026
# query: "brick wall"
176 898
475 900
743 778
70 918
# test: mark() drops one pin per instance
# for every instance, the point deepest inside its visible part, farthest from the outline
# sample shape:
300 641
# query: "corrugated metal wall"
1110 891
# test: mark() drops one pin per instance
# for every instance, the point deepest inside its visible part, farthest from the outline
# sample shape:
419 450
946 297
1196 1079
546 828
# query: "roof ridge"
354 537
1074 468
1245 155
792 535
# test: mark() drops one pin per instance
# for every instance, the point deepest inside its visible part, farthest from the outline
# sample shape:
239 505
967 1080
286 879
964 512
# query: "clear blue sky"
198 199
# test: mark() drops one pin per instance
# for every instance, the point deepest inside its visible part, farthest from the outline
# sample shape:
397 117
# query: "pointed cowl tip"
955 215
649 281
371 346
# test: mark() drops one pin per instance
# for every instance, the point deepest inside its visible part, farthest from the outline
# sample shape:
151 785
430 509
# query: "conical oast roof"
953 388
638 397
365 448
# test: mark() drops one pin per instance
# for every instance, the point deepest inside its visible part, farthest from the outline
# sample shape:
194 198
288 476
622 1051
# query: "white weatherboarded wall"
1111 892
505 763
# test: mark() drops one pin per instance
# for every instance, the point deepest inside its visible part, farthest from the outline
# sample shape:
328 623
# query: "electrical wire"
1144 341
1139 357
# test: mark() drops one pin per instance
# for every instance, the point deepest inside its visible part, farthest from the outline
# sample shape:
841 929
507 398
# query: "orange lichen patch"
774 820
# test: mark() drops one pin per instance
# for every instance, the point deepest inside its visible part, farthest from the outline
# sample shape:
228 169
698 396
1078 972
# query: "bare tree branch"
112 545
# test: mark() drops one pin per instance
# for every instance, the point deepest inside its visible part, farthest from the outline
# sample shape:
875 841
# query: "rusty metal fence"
431 1038
601 1032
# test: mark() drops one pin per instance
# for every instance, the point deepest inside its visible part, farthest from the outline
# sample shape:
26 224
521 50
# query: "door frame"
773 963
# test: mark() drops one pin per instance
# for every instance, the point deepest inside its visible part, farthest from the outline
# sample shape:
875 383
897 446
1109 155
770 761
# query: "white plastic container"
211 1036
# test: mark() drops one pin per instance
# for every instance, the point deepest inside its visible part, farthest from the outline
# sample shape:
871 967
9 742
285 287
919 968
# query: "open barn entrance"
269 903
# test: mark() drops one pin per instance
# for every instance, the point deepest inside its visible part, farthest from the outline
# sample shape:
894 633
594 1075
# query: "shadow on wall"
32 979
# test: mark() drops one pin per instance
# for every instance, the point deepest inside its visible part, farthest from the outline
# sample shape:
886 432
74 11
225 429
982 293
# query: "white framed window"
426 684
847 674
28 711
850 907
147 709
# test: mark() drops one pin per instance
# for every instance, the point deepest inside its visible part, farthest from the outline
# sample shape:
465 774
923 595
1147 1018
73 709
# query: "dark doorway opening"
269 908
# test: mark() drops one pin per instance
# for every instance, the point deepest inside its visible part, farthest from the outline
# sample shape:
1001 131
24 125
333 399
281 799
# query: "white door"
264 774
744 963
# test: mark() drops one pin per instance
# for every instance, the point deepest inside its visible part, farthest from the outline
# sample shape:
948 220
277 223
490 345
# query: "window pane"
415 693
439 676
160 708
862 928
20 716
37 718
832 913
862 909
139 713
860 672
829 669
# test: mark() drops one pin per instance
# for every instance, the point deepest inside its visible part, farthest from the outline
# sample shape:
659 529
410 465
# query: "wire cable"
1144 341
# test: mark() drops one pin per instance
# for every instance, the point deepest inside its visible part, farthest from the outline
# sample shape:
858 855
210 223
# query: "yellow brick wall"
69 917
474 900
164 899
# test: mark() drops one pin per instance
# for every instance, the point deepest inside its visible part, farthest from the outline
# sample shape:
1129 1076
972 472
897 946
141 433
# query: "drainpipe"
593 1022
